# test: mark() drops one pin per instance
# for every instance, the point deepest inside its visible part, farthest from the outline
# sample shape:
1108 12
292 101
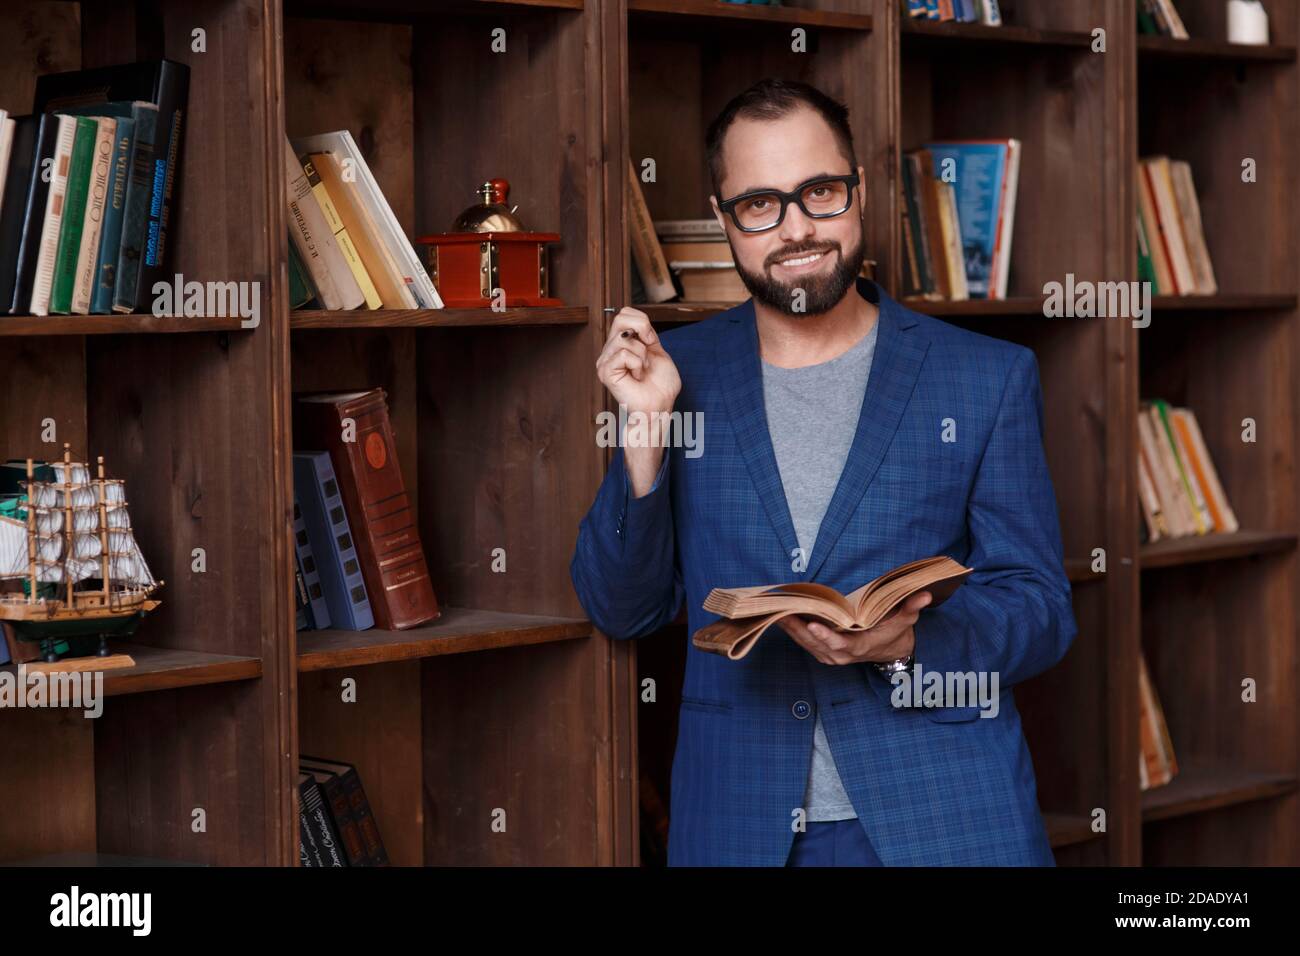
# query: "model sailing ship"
69 540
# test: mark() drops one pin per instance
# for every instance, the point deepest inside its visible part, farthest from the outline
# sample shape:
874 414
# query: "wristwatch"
901 666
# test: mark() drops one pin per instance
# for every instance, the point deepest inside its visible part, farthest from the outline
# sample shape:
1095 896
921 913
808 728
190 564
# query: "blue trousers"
833 843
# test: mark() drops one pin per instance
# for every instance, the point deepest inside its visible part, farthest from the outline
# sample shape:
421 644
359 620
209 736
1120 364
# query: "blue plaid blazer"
932 785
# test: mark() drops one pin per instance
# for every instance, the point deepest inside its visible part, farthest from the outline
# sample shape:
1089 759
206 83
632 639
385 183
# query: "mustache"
792 253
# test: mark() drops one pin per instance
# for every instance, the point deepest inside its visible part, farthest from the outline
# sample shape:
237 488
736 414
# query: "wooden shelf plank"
1021 305
415 10
458 631
116 324
1200 789
166 668
704 11
1172 552
1199 48
1226 302
976 33
435 318
1065 829
683 311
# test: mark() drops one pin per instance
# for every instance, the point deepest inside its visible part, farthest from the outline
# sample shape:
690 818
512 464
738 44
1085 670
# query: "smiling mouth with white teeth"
803 259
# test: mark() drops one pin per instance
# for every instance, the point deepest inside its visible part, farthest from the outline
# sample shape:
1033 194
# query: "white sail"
13 549
76 473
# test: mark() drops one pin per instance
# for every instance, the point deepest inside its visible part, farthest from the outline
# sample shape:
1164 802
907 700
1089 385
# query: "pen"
626 333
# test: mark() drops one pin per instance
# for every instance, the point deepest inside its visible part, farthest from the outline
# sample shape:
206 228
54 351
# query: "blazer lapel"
900 350
742 388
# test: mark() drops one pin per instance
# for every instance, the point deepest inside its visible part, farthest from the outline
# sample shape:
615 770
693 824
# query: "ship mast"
103 528
67 517
31 532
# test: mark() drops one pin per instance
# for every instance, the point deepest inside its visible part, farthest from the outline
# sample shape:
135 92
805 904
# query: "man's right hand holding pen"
642 378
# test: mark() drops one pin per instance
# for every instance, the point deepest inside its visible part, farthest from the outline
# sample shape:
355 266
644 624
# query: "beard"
822 291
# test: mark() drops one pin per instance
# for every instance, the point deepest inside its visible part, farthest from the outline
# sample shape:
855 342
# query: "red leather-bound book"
354 428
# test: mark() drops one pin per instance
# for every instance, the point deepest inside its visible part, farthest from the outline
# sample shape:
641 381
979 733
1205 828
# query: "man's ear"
862 193
717 213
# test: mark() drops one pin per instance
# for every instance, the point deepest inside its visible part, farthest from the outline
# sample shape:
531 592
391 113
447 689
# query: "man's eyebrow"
764 189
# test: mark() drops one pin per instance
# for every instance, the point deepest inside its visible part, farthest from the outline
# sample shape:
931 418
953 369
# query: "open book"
748 612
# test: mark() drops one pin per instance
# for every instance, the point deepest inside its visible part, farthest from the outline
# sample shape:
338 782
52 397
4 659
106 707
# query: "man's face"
781 154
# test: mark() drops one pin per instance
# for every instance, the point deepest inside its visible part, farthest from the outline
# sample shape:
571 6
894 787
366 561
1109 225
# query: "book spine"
323 828
312 586
333 542
114 215
164 193
345 822
334 222
309 853
301 291
365 818
135 217
23 167
392 558
310 233
74 213
645 244
43 278
93 229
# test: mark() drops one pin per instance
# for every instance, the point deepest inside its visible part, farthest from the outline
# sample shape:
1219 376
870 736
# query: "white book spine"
93 224
47 252
7 128
315 243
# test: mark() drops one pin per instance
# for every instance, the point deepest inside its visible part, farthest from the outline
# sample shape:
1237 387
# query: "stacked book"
958 209
90 190
1172 253
346 249
358 557
1156 763
336 826
1178 486
699 255
1160 18
986 12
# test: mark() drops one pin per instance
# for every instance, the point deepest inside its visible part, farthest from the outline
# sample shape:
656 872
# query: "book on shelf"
47 249
339 230
73 218
354 428
384 247
702 264
8 129
1170 220
313 609
746 613
1178 486
24 155
363 232
346 790
1160 18
319 844
987 12
331 544
958 209
1157 764
646 250
317 248
154 96
302 293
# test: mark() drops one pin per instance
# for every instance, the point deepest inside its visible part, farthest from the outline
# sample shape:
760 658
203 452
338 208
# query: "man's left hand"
890 640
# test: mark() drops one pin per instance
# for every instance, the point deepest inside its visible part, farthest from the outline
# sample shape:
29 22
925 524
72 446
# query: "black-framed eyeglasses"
822 198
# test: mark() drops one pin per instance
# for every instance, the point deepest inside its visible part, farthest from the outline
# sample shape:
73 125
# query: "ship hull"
73 632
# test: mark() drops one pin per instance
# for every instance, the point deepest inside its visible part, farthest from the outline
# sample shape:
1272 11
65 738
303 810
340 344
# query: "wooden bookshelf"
513 696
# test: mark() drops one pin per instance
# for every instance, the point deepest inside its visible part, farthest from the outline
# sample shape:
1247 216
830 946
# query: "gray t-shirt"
812 416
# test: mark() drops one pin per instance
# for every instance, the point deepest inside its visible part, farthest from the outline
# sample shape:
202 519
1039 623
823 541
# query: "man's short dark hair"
771 99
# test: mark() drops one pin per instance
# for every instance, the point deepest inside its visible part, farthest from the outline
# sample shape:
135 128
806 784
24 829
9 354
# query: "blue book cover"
932 9
916 9
331 541
980 174
114 214
317 614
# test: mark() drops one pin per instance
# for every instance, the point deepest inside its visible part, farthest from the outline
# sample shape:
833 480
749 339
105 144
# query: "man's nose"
796 226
